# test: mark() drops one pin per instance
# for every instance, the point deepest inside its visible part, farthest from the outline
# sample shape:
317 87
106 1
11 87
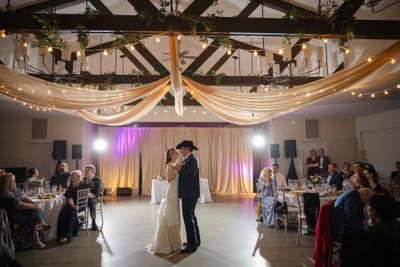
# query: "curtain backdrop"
225 156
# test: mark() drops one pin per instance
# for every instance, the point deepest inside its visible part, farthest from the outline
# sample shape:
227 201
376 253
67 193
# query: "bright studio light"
100 145
258 141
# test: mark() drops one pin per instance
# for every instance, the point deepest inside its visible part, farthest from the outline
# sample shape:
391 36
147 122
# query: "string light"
204 112
194 111
352 93
398 86
204 46
369 59
255 53
132 47
23 103
303 46
325 40
179 36
50 49
372 95
308 94
19 89
386 92
78 53
393 61
3 34
281 51
105 52
229 52
158 39
346 51
25 44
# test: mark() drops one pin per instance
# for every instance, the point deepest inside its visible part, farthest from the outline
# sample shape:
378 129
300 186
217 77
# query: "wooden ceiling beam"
141 5
121 24
283 6
342 15
145 79
198 7
196 64
100 7
47 4
134 60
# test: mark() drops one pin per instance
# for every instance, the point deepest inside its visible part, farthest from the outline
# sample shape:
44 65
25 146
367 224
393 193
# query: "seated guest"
27 214
61 179
348 210
278 179
94 183
383 211
267 197
32 175
68 223
396 174
372 177
360 181
358 167
333 178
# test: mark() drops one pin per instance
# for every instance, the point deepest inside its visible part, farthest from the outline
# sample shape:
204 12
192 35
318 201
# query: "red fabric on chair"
323 234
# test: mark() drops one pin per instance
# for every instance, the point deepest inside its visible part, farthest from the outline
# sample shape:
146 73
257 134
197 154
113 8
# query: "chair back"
8 204
311 207
395 188
82 199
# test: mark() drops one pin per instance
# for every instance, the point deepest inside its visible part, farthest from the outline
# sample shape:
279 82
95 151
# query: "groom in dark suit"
189 192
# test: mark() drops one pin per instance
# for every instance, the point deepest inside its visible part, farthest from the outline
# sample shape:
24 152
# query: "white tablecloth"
51 209
159 190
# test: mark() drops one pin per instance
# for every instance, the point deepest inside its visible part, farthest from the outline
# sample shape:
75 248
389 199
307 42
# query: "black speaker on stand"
291 152
59 149
77 154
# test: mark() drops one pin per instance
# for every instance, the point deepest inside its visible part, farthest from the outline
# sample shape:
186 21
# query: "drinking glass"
333 188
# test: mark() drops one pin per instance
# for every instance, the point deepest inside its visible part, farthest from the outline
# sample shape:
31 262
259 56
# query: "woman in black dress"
68 224
312 164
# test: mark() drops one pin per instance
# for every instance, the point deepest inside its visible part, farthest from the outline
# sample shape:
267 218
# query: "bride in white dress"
167 237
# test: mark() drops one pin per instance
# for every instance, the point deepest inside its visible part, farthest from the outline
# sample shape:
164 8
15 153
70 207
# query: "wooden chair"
82 202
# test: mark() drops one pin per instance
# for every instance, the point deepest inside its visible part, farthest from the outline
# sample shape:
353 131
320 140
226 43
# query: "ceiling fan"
182 55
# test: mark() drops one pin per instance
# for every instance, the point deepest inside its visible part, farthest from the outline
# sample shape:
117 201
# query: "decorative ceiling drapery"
239 108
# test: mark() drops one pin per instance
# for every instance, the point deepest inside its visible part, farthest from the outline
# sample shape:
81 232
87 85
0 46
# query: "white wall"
379 139
336 136
15 138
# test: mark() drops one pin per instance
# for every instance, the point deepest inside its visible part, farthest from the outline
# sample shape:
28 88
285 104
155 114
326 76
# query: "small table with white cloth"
159 190
51 209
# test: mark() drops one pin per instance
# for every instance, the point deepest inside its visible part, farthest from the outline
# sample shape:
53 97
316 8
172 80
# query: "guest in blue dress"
265 185
68 223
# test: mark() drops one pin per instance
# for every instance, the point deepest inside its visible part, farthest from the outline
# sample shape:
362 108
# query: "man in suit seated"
396 174
333 178
349 210
61 179
278 179
94 183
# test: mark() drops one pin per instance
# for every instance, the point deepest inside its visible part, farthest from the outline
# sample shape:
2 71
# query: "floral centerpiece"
316 179
36 183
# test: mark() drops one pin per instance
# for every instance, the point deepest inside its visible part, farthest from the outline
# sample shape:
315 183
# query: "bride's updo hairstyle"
168 154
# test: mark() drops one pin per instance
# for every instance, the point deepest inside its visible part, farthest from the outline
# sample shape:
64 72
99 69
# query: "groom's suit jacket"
189 179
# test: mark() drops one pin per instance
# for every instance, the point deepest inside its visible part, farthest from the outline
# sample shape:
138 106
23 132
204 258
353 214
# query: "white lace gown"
167 237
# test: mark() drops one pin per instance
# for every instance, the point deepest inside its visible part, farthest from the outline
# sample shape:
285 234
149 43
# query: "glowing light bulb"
308 94
3 34
49 92
179 36
281 51
229 51
30 107
360 95
303 46
352 93
372 95
386 92
398 86
369 59
19 89
158 39
346 51
325 40
255 53
393 61
105 52
204 45
132 47
25 44
23 103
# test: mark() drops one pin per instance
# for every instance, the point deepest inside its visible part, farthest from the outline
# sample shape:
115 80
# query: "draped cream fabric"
225 156
46 94
239 108
245 108
176 80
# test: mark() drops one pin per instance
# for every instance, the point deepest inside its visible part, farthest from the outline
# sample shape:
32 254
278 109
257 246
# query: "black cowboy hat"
188 144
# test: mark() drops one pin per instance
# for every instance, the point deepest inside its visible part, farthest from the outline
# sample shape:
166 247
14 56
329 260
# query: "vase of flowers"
36 185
